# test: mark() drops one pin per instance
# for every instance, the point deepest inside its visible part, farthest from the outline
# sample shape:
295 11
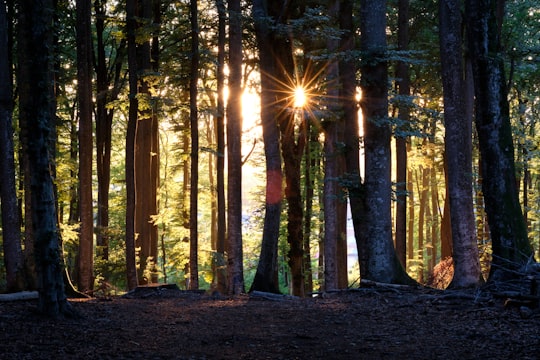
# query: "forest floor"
380 322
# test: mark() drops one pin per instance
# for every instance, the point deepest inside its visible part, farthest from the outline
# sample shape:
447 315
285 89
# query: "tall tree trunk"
332 154
266 277
146 151
84 91
293 140
11 227
107 75
403 84
234 151
378 259
220 162
458 148
510 244
194 126
35 37
131 265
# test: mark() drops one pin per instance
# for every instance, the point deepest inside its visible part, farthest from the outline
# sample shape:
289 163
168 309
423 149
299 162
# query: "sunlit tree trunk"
403 84
234 152
411 217
146 147
194 126
510 243
11 228
221 276
423 192
84 91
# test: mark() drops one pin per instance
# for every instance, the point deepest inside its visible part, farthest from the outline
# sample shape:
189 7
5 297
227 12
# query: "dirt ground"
367 323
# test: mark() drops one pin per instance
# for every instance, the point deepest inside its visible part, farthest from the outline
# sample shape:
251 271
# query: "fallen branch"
371 283
23 295
271 296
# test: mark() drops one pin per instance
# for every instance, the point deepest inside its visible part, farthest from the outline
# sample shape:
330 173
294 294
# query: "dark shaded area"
367 323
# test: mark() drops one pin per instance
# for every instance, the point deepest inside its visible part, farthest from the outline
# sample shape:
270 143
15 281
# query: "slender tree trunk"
423 192
403 84
309 185
11 227
84 82
378 259
131 265
194 122
332 153
36 37
234 151
410 204
510 243
220 162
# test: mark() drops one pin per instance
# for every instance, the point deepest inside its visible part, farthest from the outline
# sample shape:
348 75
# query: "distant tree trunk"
35 30
11 227
194 126
234 151
423 192
84 91
131 265
350 135
221 277
410 205
107 76
266 277
309 185
403 84
434 188
458 148
378 259
510 244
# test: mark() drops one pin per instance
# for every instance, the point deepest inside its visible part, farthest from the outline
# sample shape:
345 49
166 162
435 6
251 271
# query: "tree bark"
131 265
458 148
146 157
403 84
266 277
378 259
221 276
35 37
11 228
107 75
194 126
234 151
84 91
510 244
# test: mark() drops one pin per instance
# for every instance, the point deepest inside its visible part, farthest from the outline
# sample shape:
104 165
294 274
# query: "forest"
289 147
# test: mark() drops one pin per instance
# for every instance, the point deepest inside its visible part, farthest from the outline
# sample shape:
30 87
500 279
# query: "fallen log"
22 295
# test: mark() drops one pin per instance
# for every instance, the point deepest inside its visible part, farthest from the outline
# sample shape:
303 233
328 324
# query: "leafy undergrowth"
367 323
